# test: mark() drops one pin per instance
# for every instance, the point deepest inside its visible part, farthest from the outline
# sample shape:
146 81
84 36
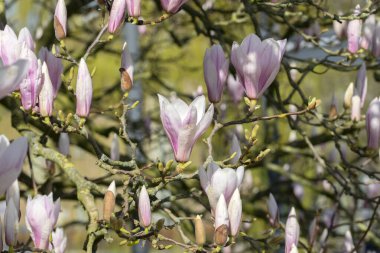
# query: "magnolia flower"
216 182
145 214
55 68
373 124
64 144
354 28
60 20
215 69
11 159
40 218
292 231
59 241
83 90
10 47
46 96
221 222
126 69
11 76
235 212
184 124
133 7
172 6
274 214
24 36
11 218
235 88
117 15
115 150
30 87
257 63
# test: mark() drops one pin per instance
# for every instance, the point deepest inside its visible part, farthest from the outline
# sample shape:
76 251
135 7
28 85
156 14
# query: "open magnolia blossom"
40 218
217 181
184 124
257 63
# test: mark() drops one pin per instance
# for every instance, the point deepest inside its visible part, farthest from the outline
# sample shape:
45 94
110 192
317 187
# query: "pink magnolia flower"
46 96
40 218
83 90
59 241
217 181
354 28
11 159
145 215
172 6
134 8
11 76
257 63
31 86
184 124
215 70
117 15
292 231
60 20
373 124
10 47
55 68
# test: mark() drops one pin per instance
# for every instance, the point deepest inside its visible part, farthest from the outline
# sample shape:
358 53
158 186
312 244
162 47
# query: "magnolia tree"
265 162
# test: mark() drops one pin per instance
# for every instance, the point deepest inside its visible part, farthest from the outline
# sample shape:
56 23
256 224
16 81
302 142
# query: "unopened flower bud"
83 90
145 215
348 96
200 233
126 69
60 20
292 231
109 202
274 215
